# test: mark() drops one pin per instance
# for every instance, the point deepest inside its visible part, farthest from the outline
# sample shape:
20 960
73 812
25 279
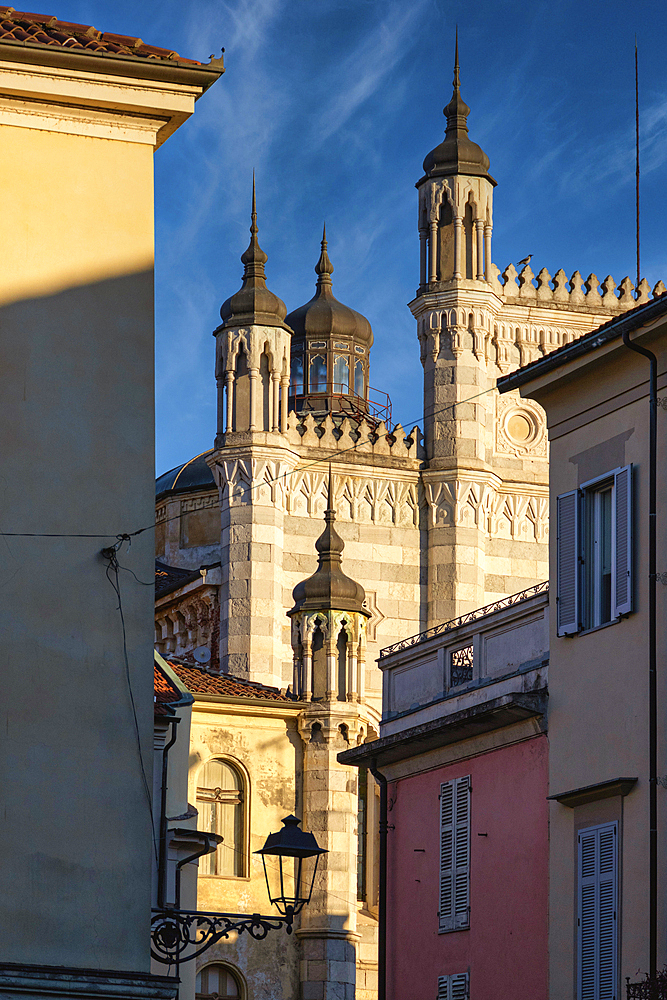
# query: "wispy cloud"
365 68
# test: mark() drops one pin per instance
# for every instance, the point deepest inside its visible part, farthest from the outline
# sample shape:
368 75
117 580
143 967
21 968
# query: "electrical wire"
332 456
111 555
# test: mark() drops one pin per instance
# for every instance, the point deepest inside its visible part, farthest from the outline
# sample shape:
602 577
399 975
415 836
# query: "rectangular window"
453 987
597 903
594 552
454 913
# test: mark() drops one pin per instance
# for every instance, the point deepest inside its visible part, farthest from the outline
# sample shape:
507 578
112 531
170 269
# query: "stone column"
423 254
458 233
253 375
275 415
284 402
229 383
479 232
433 250
488 230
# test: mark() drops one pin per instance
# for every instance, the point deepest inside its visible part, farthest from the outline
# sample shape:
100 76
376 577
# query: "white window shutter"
622 592
597 905
454 913
567 566
453 987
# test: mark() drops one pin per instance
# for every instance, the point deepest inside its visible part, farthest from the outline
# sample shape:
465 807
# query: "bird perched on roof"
526 260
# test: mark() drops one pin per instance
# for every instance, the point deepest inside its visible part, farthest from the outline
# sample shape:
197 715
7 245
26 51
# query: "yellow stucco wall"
76 425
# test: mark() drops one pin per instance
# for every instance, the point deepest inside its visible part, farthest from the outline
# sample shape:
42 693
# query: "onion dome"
457 154
324 316
329 589
253 304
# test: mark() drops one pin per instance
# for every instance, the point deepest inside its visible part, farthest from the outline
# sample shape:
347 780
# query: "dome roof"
329 589
190 477
254 303
324 316
457 154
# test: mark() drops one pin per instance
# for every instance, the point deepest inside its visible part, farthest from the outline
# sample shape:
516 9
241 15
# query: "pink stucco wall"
505 949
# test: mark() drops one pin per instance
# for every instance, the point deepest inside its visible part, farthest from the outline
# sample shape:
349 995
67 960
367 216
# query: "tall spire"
254 258
457 111
324 267
254 302
456 154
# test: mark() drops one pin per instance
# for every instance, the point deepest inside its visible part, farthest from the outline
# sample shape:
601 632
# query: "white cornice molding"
76 102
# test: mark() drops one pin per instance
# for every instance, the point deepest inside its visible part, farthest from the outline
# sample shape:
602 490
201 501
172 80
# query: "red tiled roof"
165 692
45 29
199 682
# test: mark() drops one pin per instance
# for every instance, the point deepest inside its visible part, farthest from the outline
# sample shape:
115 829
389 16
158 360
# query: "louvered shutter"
454 913
622 582
453 987
567 565
459 989
462 854
597 935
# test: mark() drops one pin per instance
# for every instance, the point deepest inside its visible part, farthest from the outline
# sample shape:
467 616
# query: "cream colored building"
601 771
81 113
435 525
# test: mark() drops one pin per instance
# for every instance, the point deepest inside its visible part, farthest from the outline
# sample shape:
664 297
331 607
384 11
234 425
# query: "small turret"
329 623
330 350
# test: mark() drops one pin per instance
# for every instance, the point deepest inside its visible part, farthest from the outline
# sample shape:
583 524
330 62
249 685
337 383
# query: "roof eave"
115 64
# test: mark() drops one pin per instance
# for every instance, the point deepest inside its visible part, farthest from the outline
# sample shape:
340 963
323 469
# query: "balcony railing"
374 408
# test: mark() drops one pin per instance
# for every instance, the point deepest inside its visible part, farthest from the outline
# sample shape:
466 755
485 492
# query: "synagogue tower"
434 524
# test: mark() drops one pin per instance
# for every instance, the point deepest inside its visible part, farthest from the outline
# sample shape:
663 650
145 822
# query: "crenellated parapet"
573 293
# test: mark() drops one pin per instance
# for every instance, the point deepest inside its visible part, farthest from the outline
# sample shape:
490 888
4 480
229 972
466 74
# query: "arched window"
296 375
218 981
341 374
318 373
221 804
359 379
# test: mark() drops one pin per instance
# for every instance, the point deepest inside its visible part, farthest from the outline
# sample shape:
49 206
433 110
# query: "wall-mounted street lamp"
175 932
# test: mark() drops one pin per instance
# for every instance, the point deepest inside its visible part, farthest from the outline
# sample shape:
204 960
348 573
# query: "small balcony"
338 398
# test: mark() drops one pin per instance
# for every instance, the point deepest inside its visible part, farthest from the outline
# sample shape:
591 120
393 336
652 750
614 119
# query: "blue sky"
335 103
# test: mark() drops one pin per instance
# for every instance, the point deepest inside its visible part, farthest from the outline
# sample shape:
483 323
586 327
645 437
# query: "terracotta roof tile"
45 29
199 682
164 691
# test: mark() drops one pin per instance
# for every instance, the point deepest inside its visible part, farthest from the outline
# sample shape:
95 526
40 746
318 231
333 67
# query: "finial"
254 258
324 267
330 512
457 81
253 214
457 110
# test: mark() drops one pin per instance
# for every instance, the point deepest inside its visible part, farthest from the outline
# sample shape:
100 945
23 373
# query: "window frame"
244 779
227 967
579 583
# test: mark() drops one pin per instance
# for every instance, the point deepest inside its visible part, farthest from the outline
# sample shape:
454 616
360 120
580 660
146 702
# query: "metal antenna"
637 161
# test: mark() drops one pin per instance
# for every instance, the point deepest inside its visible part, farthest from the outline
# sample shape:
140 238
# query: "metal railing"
375 407
472 616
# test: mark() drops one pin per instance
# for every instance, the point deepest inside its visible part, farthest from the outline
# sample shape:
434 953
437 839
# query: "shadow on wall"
77 440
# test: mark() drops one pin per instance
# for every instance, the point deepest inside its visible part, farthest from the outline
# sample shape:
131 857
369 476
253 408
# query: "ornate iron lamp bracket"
174 932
